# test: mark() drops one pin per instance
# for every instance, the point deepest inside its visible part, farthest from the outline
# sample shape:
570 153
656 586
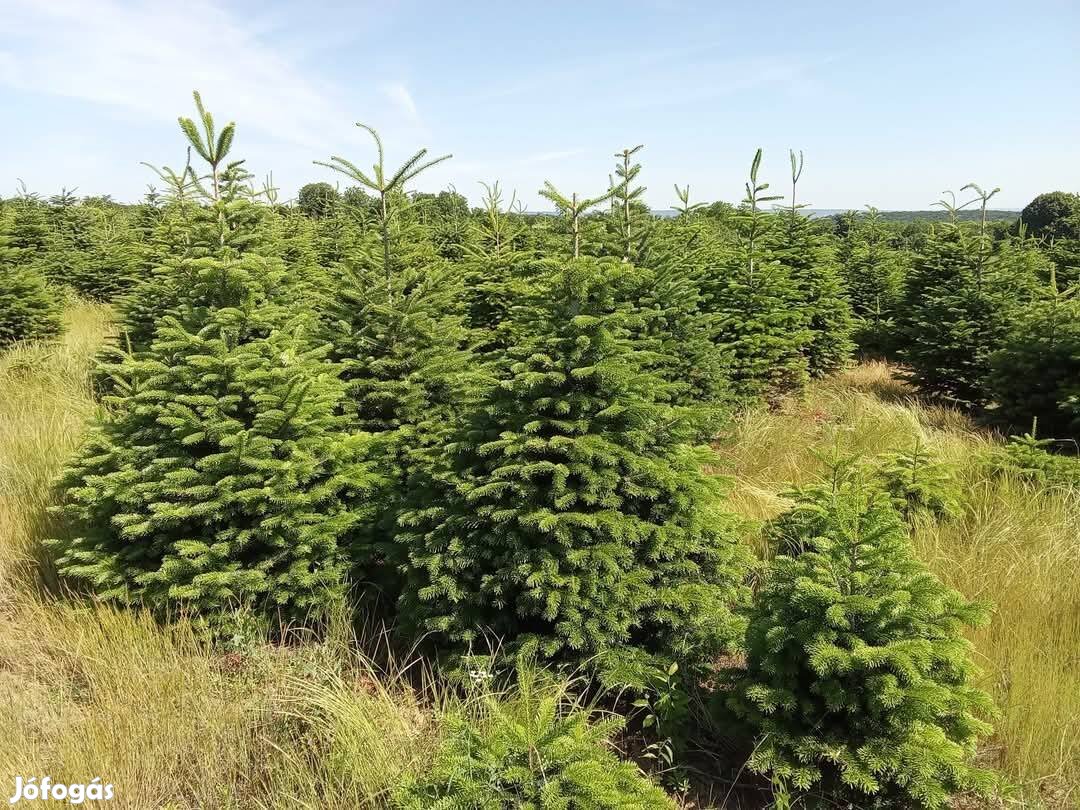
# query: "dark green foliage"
874 273
1052 214
858 675
496 274
1037 369
403 347
28 308
221 473
318 200
530 749
111 262
809 256
962 298
572 516
760 322
688 350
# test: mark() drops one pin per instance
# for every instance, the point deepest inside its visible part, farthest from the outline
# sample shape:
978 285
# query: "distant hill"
967 215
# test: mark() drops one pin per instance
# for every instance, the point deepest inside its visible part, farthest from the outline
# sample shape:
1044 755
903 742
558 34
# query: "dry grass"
1014 546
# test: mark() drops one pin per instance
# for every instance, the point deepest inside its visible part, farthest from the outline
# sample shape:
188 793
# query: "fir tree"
572 209
1035 371
220 473
810 259
496 273
572 516
387 186
962 296
874 272
393 309
214 215
919 482
532 749
759 320
858 676
28 308
627 207
684 334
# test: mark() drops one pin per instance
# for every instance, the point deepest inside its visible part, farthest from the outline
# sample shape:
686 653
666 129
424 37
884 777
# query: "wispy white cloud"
146 59
400 97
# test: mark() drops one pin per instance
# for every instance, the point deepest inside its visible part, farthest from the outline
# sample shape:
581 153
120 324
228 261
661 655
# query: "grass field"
89 691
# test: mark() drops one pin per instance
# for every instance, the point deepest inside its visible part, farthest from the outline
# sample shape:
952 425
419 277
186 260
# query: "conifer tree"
874 272
858 676
810 259
27 231
387 186
213 215
683 333
1037 368
221 473
961 299
496 273
571 516
28 308
533 749
920 482
110 264
626 204
759 320
393 309
572 209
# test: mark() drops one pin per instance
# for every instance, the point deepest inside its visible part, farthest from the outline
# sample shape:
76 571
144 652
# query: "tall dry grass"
45 399
1014 545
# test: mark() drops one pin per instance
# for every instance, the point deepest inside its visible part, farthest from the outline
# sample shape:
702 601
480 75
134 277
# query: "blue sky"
891 102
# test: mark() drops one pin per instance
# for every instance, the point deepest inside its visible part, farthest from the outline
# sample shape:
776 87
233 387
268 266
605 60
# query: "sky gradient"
890 102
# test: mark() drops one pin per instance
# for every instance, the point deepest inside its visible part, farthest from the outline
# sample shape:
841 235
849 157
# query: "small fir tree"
28 308
962 297
496 274
572 517
572 209
920 482
874 272
858 675
534 748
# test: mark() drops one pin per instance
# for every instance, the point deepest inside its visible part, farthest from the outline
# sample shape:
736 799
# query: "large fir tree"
809 256
962 296
572 515
221 473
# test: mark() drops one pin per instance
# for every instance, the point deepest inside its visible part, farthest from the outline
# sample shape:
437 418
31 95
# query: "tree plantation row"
491 430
